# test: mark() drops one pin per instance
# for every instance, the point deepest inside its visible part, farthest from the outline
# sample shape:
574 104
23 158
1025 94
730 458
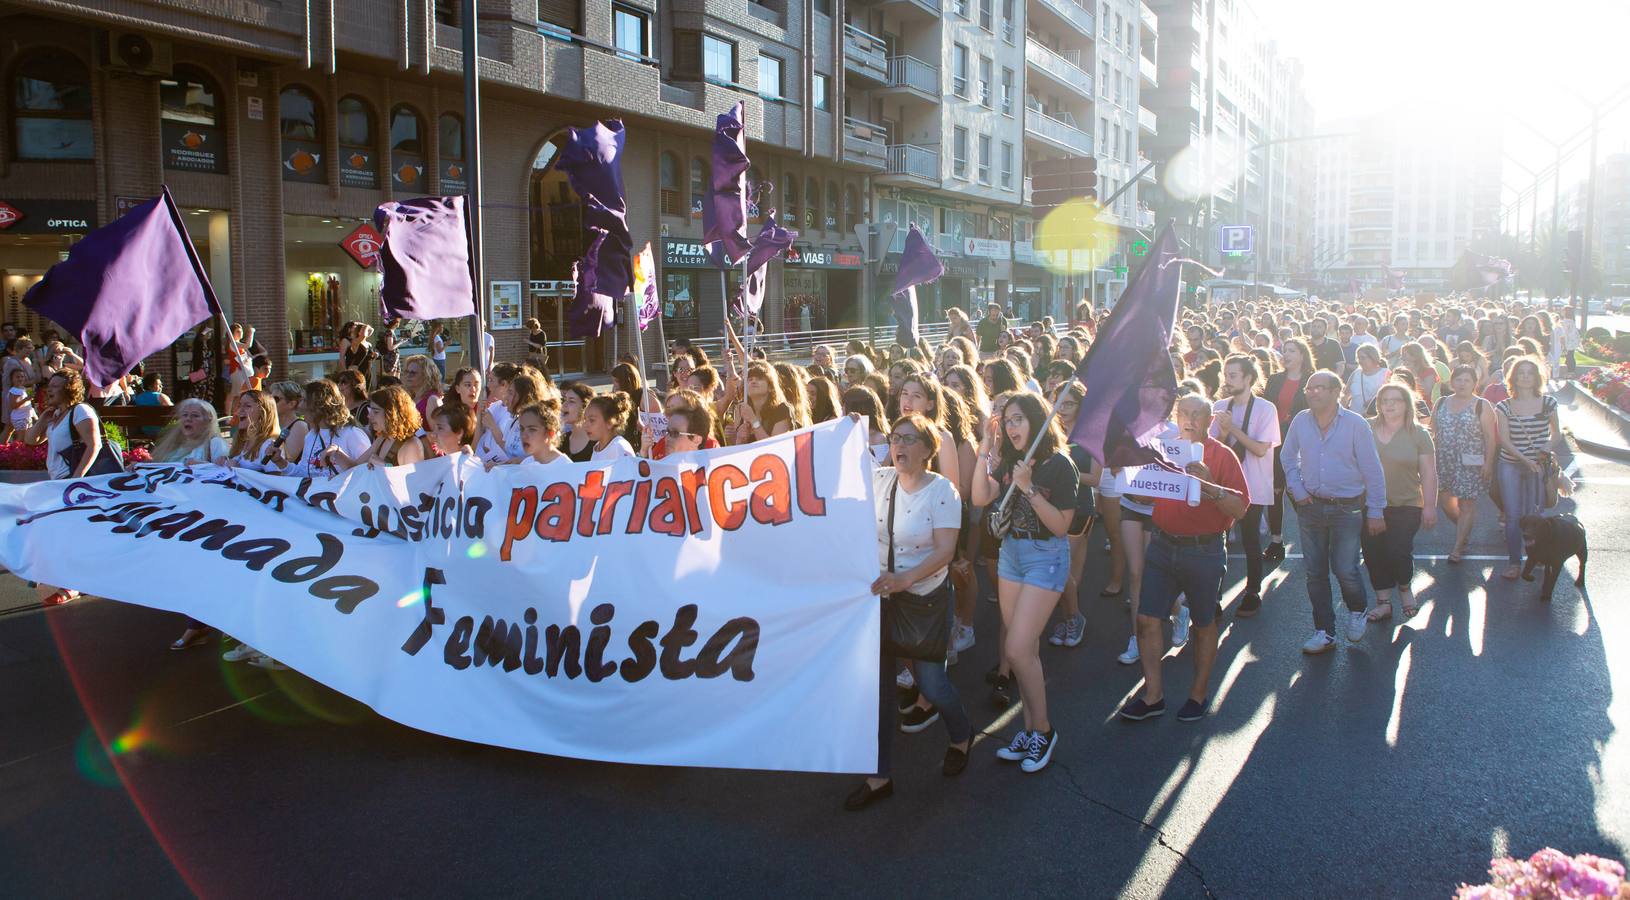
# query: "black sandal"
1106 592
865 795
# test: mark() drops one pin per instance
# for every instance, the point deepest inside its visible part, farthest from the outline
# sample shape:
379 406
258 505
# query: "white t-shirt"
438 348
209 451
1363 388
1263 427
350 439
916 515
22 409
61 436
253 458
619 448
1392 345
495 447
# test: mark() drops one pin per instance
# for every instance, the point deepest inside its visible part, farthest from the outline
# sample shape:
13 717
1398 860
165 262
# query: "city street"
1393 768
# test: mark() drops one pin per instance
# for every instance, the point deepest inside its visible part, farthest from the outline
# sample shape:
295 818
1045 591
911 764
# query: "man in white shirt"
1565 339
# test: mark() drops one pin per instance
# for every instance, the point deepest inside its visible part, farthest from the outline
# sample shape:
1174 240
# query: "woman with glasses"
918 513
855 370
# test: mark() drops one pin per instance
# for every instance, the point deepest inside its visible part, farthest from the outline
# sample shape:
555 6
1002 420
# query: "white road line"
1470 557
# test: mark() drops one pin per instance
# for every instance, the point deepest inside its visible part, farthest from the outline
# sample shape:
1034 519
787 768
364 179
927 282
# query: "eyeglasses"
1015 420
675 434
904 437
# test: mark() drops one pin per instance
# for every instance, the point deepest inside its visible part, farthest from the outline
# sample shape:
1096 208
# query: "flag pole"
477 351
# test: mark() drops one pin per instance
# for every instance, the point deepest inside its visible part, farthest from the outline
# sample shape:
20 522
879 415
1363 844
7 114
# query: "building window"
769 77
447 12
668 184
301 123
831 223
986 69
959 70
187 123
984 159
51 107
630 32
985 15
1007 92
450 149
187 97
698 186
355 123
812 205
561 16
1007 21
961 7
1007 165
959 152
718 60
819 92
407 149
789 201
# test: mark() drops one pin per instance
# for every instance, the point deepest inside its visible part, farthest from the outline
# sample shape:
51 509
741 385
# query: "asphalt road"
1390 768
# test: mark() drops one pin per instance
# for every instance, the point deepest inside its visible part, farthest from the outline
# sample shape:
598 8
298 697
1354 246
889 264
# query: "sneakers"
1001 692
1041 751
1249 605
1019 749
1319 643
907 699
1180 627
1192 711
1275 552
904 680
1069 632
1356 622
1130 657
240 653
266 662
917 719
955 761
962 637
1136 710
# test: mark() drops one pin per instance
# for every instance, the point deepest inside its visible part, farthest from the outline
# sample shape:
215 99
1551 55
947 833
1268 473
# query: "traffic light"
1053 182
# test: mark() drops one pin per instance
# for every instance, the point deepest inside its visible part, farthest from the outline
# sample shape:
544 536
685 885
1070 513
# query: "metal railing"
865 53
1078 16
910 72
914 162
864 142
1059 67
799 346
1048 128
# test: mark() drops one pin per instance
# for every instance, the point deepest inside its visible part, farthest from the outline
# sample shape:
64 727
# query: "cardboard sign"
1155 481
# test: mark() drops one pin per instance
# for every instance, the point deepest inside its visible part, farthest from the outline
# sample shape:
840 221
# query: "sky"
1525 61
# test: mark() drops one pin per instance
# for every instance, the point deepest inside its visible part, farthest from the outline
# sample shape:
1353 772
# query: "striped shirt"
1531 434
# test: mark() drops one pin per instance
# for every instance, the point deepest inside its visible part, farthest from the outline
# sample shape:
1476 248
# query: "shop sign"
453 181
48 217
407 172
685 254
357 169
1024 251
812 258
303 162
122 205
987 248
191 147
364 244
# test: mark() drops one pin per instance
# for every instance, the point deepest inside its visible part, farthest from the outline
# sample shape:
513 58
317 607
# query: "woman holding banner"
328 425
194 436
1039 494
394 423
602 421
918 514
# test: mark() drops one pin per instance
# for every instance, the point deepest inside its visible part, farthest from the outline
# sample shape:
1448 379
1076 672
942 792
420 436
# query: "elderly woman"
194 436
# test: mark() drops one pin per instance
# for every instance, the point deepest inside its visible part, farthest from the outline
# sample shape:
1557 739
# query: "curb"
1620 453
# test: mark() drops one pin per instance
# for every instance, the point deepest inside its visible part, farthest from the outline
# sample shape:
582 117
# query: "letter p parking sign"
1238 239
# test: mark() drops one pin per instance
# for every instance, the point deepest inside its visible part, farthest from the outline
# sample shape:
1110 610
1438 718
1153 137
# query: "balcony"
1151 22
1078 17
1067 72
1147 170
1148 121
918 8
911 164
910 76
864 143
1027 190
1061 135
1145 217
865 55
1147 71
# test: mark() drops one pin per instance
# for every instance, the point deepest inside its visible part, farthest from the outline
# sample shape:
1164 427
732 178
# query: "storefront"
34 236
691 303
819 288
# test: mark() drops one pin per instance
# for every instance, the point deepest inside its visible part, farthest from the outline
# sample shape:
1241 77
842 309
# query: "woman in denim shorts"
1035 558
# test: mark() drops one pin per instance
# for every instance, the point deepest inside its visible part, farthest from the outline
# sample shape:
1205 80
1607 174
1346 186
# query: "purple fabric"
1492 268
128 289
592 162
645 283
771 242
918 265
426 259
1395 279
1128 370
724 215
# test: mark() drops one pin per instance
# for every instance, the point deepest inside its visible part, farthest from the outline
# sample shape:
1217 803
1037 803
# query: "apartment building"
1411 189
279 127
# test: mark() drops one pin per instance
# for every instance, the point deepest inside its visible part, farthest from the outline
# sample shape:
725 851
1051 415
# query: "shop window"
358 167
326 286
831 222
851 208
812 205
187 109
301 123
698 186
450 148
407 149
51 107
672 203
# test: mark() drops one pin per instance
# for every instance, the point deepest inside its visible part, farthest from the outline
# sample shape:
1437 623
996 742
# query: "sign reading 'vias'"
667 612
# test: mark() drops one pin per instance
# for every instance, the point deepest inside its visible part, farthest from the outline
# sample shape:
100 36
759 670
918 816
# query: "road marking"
1419 557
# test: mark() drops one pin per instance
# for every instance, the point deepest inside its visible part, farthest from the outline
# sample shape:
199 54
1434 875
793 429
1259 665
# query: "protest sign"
1159 481
671 612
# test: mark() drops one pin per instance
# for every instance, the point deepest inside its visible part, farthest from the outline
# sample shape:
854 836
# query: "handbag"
107 462
1550 495
915 626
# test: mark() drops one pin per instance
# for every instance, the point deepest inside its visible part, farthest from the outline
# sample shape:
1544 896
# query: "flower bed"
18 456
1551 874
1610 384
1615 351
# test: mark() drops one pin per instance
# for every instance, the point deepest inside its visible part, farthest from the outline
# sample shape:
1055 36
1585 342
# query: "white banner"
1158 481
709 609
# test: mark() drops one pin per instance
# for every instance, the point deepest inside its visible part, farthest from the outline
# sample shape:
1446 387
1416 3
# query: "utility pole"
1583 264
476 351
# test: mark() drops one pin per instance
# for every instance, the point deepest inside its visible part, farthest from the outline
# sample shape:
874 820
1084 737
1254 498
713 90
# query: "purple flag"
1394 279
426 259
1128 371
645 287
592 162
128 289
771 242
724 215
918 265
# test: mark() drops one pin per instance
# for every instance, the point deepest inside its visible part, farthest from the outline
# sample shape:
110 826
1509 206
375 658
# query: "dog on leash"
1550 540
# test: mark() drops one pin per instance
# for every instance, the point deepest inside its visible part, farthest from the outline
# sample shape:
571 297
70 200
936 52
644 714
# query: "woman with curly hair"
328 424
422 380
395 423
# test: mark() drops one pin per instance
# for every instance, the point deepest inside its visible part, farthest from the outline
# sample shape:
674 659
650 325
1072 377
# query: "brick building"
279 127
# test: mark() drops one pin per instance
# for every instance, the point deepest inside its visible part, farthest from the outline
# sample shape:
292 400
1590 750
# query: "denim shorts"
1044 564
1196 572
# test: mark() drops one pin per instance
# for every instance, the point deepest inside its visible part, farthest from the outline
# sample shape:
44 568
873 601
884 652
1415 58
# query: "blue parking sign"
1238 239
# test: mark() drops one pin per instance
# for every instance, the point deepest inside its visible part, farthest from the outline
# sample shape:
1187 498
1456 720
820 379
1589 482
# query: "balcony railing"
912 161
1146 69
864 143
1061 134
1151 22
865 54
1147 120
1145 217
1059 68
1076 15
932 7
911 72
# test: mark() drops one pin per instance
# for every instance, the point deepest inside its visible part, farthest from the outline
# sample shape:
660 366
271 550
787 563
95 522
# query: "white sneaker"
1180 627
904 681
1356 623
1131 654
950 657
266 662
240 653
962 637
1318 643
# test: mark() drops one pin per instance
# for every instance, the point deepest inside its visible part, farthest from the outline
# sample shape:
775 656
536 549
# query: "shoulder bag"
107 462
915 626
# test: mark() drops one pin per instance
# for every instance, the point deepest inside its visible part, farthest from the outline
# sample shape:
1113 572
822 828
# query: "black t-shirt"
1055 478
1084 507
1327 354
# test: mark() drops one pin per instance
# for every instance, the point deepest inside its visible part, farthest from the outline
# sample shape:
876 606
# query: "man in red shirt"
1187 555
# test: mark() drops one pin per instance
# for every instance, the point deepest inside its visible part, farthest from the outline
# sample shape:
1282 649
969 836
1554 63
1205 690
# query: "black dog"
1550 540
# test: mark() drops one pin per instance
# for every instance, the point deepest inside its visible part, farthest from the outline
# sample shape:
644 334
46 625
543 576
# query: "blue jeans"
1330 541
1519 496
936 685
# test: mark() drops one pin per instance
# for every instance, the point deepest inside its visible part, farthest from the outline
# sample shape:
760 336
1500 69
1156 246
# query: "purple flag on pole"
918 265
426 259
128 289
1128 371
771 242
592 162
724 214
645 287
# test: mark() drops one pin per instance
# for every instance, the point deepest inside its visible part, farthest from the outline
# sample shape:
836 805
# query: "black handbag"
107 462
915 626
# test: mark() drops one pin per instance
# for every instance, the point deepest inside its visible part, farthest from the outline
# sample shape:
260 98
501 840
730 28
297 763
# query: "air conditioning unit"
139 54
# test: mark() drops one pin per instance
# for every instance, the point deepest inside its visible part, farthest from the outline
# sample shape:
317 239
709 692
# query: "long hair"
959 418
792 379
1309 364
1410 397
172 445
1035 412
1524 360
775 402
325 408
824 405
627 379
432 375
864 400
974 395
251 437
526 390
931 390
453 395
1004 376
401 419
